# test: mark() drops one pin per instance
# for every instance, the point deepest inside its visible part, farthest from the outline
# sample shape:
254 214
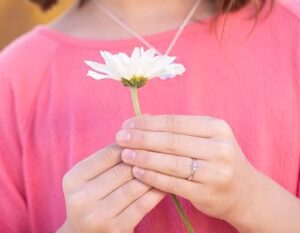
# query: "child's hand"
162 148
101 195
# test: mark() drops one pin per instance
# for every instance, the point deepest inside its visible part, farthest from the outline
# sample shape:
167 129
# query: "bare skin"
226 185
226 176
102 195
145 17
90 209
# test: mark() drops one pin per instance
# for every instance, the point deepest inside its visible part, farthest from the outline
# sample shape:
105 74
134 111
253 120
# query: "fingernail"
128 124
128 154
123 136
138 172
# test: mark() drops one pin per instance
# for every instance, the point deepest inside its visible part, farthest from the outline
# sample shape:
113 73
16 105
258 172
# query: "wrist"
244 218
269 209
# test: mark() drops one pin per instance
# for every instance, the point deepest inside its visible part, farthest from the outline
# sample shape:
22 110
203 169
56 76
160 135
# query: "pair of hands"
113 189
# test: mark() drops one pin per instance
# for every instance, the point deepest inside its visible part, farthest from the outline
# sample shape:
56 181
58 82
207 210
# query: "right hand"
102 195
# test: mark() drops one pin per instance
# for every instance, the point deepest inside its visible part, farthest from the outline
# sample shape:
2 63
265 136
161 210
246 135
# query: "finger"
168 143
201 126
134 213
92 166
177 166
107 182
122 197
169 184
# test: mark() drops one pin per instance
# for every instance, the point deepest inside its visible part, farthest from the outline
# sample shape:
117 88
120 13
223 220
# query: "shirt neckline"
84 42
165 36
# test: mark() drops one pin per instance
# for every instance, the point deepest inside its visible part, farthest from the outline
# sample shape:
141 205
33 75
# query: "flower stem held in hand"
184 218
183 215
116 67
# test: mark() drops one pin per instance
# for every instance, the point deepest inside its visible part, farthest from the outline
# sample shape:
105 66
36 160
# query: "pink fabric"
53 116
292 5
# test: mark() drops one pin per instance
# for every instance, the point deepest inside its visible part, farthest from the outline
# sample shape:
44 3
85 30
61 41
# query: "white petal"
96 75
124 58
149 53
100 67
146 60
121 66
168 73
172 71
136 53
141 62
139 65
176 69
115 64
158 65
165 60
107 56
133 64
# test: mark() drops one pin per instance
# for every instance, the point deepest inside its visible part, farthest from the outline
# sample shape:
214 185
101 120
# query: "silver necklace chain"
139 37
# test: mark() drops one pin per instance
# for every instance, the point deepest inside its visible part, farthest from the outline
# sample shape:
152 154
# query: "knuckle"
119 170
180 165
151 177
71 178
142 122
140 138
222 123
222 126
176 166
173 142
173 123
109 153
141 206
128 191
225 175
225 149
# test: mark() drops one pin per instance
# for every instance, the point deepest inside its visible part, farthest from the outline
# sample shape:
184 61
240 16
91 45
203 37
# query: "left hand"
161 151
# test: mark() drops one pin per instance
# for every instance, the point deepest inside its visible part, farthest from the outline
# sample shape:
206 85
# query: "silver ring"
194 166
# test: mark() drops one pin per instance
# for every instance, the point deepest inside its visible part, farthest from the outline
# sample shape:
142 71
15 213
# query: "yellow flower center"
135 81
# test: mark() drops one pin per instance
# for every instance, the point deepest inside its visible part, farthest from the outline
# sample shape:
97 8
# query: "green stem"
183 215
135 101
180 210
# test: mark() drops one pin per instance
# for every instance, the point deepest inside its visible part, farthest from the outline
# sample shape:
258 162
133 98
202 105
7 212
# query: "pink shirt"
53 116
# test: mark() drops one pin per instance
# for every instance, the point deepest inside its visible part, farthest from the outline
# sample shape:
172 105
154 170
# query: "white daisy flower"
134 71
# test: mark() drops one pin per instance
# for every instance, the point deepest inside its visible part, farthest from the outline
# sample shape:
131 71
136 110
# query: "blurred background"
19 16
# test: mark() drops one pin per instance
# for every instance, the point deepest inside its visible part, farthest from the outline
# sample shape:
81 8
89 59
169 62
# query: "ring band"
194 166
